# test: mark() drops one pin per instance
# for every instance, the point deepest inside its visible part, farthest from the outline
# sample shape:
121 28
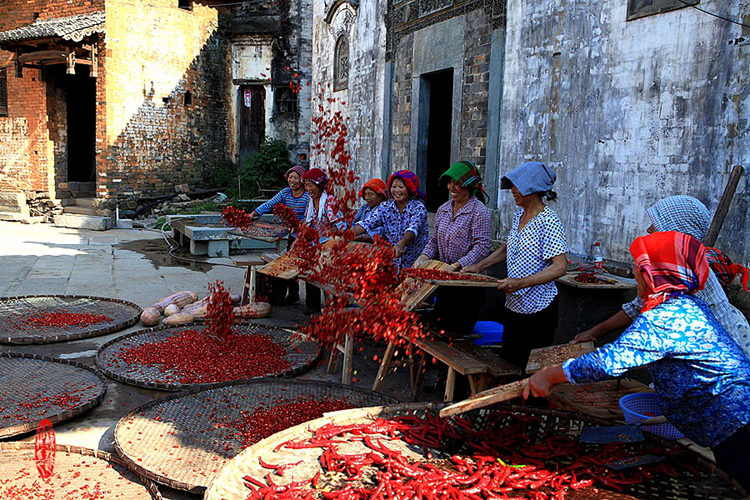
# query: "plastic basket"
491 332
643 405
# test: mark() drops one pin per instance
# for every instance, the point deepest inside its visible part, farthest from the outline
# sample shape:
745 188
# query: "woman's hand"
510 285
420 260
398 248
456 266
254 215
473 268
541 383
585 336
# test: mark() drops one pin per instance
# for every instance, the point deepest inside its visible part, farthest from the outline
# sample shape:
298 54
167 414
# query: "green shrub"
265 168
223 175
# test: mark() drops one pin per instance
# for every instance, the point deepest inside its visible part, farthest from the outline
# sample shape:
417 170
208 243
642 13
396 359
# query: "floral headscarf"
410 179
671 263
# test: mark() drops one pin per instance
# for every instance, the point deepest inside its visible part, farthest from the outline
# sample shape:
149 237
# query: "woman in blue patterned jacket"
700 373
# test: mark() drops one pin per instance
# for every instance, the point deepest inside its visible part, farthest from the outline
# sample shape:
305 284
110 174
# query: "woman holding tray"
461 238
296 198
535 256
699 371
403 218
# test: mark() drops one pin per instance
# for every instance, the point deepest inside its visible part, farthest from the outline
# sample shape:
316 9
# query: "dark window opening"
3 92
643 8
165 100
185 4
341 63
285 101
434 142
252 113
188 98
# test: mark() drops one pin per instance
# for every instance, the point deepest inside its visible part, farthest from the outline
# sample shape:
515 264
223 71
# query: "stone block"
181 188
14 203
83 222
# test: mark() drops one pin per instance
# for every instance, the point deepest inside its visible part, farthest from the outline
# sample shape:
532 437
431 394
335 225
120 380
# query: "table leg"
419 377
246 287
385 364
346 375
333 360
450 385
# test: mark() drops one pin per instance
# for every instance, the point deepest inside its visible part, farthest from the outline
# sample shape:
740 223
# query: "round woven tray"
78 473
14 309
26 379
228 483
176 441
301 353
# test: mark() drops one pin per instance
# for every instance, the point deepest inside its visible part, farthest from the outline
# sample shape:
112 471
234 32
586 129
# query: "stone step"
74 209
86 202
83 222
14 203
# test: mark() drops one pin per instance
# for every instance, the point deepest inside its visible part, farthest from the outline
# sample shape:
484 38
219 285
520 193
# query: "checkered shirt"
464 238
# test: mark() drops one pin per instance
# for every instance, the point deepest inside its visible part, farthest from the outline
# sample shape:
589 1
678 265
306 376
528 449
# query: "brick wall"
473 143
156 54
401 102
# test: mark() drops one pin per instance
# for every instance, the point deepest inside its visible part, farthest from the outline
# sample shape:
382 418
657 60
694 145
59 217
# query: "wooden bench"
479 365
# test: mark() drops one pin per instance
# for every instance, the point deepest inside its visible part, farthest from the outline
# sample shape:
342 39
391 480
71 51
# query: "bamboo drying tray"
228 483
96 470
301 353
13 309
175 440
598 399
27 378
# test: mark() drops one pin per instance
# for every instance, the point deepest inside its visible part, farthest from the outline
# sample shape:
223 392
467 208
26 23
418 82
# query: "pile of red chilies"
236 217
219 311
192 357
59 319
499 462
434 274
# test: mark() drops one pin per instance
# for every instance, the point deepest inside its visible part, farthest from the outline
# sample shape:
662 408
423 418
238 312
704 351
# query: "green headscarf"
467 175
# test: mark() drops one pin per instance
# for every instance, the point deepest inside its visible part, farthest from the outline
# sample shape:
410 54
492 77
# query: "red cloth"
376 185
410 179
317 176
724 269
671 264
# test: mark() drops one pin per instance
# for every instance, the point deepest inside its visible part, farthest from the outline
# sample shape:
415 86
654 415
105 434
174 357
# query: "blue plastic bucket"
491 332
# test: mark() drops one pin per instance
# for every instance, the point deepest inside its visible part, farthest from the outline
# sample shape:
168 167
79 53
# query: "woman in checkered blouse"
535 256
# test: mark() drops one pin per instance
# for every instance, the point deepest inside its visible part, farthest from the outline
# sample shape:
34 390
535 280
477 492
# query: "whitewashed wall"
627 113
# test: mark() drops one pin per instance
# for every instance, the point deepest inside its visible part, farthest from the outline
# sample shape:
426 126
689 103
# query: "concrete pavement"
133 265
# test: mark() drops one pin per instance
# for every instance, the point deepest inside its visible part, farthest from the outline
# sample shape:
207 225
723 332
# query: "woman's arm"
407 238
268 205
492 259
541 383
558 268
614 322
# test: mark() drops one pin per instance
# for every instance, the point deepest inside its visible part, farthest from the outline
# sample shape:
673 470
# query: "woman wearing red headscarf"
374 193
403 218
701 374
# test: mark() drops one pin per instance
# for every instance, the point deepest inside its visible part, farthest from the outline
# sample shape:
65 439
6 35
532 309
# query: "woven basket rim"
199 489
182 387
20 429
96 332
89 452
380 411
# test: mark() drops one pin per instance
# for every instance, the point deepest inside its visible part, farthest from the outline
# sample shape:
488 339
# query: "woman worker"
687 215
699 371
296 198
374 193
461 238
321 214
403 218
535 257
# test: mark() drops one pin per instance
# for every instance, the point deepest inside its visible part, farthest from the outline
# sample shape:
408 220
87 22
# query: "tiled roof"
74 28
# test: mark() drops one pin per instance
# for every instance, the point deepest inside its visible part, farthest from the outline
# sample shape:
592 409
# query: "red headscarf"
317 176
410 179
671 264
376 185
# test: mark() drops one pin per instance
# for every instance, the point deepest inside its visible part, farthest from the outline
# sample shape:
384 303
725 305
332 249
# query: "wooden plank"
450 385
487 398
612 282
414 290
598 399
556 354
723 208
452 356
497 366
385 365
346 375
464 283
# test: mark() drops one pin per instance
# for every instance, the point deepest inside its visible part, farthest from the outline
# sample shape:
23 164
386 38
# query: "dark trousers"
733 456
312 297
457 309
524 332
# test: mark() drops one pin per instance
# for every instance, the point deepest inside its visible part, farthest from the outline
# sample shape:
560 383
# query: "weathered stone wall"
27 152
628 112
362 101
157 137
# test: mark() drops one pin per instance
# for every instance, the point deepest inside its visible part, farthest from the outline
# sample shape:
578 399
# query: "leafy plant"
265 168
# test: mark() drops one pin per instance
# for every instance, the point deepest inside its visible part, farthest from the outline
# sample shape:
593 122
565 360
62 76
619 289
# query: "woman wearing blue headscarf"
535 256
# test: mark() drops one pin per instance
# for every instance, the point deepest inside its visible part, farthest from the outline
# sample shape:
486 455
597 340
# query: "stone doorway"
435 133
252 106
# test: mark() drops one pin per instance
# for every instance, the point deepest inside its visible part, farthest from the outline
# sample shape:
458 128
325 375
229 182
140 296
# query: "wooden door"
252 106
